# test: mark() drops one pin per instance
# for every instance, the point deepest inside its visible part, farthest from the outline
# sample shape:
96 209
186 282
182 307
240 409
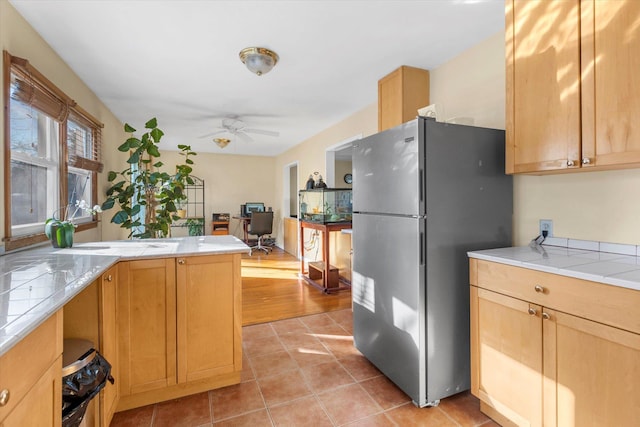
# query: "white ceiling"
178 60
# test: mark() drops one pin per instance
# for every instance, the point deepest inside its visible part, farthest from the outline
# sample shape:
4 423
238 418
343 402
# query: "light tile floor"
305 372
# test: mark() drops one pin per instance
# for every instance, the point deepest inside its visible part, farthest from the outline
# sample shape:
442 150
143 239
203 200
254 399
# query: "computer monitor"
253 207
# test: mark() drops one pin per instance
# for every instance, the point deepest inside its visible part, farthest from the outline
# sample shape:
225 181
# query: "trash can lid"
76 354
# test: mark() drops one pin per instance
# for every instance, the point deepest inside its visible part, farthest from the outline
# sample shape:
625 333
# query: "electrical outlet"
546 225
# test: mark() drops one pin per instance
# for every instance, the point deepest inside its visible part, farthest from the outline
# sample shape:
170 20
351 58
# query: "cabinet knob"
546 316
109 278
532 311
4 397
570 163
181 261
539 289
586 161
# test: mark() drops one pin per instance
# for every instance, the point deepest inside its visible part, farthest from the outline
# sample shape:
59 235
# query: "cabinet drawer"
602 303
23 365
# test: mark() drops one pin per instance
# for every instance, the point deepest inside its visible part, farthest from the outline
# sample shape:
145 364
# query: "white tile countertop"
617 269
36 283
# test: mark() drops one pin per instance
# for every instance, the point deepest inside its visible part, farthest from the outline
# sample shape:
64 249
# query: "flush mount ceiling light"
221 142
258 60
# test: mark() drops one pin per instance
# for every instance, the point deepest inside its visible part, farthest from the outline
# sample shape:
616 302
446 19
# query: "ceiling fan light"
221 142
258 60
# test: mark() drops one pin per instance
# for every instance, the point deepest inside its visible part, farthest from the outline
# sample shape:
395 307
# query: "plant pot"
62 236
181 213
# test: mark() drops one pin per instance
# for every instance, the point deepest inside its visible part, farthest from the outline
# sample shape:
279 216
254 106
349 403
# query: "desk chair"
261 225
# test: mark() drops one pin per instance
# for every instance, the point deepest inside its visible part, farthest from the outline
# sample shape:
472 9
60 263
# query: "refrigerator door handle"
422 243
421 185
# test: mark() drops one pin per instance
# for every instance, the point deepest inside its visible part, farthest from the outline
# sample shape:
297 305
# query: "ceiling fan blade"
261 132
213 133
243 136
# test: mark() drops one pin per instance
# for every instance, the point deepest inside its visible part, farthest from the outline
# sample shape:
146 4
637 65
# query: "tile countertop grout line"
103 257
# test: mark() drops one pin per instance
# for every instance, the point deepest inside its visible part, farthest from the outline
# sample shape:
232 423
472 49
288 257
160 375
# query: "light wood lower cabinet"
180 327
538 364
109 342
508 349
31 380
147 325
209 317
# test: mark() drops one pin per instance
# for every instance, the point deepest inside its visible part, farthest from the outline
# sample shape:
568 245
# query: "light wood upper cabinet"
573 96
543 84
209 308
550 364
610 85
400 94
146 325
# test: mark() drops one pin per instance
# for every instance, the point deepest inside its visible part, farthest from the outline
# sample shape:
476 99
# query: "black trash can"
84 373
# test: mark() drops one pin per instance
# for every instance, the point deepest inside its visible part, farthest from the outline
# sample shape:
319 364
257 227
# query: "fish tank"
326 205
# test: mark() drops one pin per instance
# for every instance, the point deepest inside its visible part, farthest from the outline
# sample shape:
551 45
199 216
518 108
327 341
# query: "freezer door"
387 172
388 298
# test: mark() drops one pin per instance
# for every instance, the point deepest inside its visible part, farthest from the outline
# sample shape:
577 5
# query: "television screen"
253 207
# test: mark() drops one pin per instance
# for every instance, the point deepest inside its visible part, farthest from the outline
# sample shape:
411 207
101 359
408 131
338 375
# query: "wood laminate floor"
272 290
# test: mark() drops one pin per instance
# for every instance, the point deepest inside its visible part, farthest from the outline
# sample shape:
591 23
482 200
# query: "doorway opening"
338 163
290 208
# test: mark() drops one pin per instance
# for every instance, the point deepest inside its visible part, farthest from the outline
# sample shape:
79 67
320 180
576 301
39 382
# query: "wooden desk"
246 220
330 275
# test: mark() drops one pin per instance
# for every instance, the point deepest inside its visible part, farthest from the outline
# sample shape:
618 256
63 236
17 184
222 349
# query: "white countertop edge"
41 312
607 280
52 304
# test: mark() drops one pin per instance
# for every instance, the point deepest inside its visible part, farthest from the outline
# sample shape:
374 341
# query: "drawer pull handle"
181 261
539 289
532 311
109 278
4 397
546 316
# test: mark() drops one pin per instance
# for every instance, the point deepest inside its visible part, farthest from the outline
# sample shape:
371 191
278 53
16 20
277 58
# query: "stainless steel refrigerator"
424 193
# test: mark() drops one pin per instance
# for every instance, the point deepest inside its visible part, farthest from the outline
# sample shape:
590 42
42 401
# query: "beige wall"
19 39
310 154
230 181
472 85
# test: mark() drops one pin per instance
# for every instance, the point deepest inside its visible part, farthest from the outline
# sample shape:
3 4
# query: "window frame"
21 67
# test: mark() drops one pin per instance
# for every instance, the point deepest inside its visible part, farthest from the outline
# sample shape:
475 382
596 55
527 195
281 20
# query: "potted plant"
195 226
147 197
60 227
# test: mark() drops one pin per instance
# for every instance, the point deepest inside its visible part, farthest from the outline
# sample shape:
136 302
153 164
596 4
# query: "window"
53 147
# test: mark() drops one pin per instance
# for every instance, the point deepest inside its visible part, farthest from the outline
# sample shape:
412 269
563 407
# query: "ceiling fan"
238 128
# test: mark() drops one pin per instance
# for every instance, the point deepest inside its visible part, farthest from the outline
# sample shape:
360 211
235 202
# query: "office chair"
261 225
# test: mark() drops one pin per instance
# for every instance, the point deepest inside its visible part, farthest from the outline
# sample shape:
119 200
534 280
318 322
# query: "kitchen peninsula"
166 313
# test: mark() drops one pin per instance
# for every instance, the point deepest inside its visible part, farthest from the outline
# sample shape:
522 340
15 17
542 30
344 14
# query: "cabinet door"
610 86
209 309
591 373
109 342
543 85
42 405
507 356
146 325
400 94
